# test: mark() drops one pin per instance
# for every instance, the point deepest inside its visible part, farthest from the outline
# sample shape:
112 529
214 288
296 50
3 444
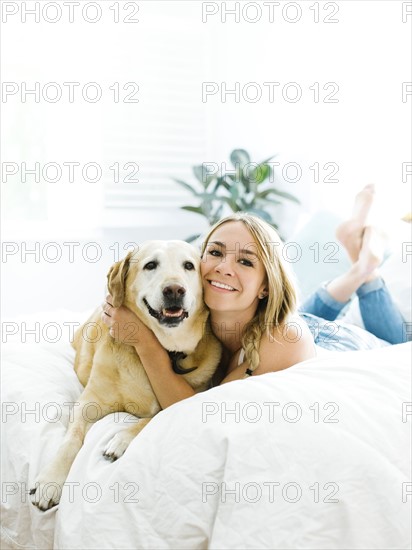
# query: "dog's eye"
150 265
189 266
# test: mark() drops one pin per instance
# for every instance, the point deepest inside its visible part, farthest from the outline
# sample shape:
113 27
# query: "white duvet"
313 457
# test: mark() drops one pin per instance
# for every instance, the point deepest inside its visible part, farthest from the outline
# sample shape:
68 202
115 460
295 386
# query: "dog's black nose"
174 291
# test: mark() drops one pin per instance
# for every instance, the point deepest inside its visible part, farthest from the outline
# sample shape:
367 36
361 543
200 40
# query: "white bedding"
155 496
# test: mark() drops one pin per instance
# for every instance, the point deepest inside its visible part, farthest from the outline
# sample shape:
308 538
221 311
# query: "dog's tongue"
172 312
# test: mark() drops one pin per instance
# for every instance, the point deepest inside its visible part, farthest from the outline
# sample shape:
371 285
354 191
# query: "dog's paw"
45 494
117 446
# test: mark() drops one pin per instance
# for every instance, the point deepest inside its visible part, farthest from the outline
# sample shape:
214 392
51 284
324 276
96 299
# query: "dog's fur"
158 283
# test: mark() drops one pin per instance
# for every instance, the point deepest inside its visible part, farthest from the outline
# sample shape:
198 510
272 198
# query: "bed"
316 456
313 457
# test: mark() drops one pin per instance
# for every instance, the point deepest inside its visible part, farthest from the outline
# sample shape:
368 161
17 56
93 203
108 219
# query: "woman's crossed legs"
381 317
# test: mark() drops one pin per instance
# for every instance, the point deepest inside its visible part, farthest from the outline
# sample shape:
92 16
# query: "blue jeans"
383 322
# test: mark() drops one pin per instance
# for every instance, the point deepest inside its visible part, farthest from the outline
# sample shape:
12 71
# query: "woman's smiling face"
233 275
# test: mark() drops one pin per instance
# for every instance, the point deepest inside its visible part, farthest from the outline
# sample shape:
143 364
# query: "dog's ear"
116 280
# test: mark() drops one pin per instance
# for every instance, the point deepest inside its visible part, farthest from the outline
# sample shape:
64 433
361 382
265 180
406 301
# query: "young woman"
252 299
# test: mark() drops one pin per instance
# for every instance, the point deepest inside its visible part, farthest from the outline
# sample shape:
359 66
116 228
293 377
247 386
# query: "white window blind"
166 54
167 132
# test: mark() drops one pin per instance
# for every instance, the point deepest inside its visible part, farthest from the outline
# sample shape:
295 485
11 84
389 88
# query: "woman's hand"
127 328
124 326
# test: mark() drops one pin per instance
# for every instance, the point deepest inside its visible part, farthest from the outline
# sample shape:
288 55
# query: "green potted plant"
243 189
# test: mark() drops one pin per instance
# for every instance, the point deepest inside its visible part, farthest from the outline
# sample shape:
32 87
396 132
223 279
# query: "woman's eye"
215 252
189 266
248 263
150 266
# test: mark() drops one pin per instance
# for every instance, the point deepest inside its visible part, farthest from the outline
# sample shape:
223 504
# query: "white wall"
367 133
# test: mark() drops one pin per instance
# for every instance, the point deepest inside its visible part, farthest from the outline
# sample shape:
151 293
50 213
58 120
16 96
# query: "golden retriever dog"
160 282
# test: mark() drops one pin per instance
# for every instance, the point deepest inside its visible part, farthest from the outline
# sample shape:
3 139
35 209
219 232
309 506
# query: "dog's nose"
174 291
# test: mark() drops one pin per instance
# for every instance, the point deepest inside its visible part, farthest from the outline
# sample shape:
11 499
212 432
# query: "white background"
170 53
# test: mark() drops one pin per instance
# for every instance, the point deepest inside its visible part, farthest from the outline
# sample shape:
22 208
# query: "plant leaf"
238 190
187 186
260 174
207 197
264 194
203 175
192 238
227 185
234 191
261 213
243 179
266 202
198 172
196 209
285 195
270 158
239 157
217 214
231 202
220 181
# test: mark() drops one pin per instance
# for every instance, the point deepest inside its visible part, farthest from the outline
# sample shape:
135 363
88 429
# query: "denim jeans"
383 322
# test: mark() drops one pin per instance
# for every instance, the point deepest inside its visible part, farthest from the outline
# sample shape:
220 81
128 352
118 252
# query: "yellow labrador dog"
161 283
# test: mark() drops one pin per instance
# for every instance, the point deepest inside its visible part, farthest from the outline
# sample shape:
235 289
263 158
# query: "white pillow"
321 257
318 234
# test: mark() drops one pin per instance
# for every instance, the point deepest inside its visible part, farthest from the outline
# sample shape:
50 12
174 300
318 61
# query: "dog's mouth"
170 316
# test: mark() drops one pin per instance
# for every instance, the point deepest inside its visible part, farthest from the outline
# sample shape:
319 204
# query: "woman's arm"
168 386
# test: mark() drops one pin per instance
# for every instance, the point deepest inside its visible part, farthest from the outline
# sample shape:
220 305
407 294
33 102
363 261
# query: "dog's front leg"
119 443
49 483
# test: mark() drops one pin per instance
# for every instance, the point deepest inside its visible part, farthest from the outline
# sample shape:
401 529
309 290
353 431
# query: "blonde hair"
281 300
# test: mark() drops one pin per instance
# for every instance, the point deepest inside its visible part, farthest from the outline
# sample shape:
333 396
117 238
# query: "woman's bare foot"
350 232
365 269
371 252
